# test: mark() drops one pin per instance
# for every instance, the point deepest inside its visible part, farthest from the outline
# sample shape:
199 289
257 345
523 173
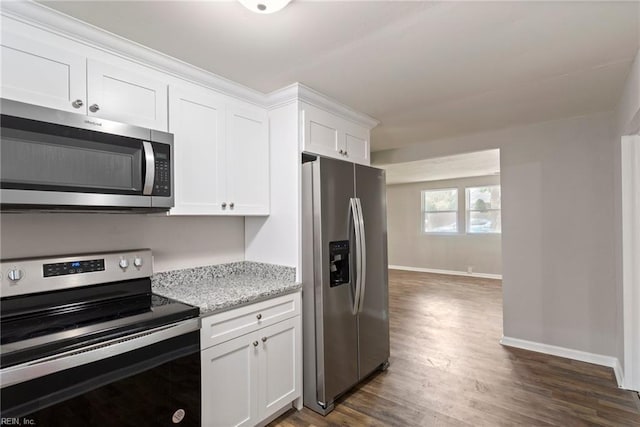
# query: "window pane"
483 198
441 222
440 200
484 222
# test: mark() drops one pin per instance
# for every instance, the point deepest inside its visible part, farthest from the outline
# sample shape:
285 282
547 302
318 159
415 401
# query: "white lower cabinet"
249 378
229 384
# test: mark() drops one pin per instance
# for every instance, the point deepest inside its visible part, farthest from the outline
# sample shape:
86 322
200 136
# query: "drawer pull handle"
259 316
255 343
264 339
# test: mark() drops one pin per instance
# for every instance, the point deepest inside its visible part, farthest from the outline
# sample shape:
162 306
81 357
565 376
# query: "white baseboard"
582 356
450 272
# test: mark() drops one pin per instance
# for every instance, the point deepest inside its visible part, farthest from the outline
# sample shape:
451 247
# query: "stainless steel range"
84 341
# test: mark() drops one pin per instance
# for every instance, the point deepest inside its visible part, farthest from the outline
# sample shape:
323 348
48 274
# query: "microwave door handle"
150 168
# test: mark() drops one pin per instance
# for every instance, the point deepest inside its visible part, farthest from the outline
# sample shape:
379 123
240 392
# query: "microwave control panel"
162 180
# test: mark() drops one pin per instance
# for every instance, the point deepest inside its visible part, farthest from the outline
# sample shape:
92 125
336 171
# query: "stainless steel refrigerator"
345 279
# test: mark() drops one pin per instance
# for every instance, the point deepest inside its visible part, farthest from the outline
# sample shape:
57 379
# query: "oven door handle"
59 362
150 168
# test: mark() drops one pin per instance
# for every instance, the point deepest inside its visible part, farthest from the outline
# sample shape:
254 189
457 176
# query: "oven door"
146 379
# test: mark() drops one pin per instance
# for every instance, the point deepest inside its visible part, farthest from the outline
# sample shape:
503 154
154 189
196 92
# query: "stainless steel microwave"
52 160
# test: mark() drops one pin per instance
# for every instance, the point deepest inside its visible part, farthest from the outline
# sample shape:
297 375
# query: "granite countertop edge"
206 312
219 288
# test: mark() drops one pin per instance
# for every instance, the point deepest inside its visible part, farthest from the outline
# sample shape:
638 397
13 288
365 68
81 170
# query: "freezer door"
336 325
373 319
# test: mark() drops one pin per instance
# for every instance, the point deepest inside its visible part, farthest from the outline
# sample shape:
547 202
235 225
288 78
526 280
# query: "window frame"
468 210
424 211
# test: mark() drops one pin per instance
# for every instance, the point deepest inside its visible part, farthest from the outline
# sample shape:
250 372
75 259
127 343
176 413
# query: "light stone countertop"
223 287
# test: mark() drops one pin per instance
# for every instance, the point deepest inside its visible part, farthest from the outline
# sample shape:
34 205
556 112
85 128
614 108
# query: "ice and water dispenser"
338 262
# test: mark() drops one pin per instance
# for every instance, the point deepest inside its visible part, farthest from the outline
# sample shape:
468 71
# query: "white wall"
409 246
275 239
558 261
627 122
177 242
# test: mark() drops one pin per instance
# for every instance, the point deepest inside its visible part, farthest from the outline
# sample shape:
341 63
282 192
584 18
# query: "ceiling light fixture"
264 6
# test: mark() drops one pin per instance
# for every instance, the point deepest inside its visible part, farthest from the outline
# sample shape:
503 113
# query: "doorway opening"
444 215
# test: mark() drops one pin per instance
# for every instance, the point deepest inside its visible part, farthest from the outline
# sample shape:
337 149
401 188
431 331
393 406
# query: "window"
440 211
483 209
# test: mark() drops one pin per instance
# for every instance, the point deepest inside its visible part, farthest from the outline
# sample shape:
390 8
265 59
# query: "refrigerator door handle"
355 214
363 257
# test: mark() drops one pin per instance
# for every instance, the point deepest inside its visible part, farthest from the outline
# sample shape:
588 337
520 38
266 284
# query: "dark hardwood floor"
448 368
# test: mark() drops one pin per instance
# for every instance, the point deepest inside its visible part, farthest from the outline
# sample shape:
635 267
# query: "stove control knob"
15 275
137 261
124 263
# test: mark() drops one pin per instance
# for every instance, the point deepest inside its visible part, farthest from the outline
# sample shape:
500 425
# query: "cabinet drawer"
230 324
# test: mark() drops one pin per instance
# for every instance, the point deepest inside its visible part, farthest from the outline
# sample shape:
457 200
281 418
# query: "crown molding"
47 19
42 17
300 92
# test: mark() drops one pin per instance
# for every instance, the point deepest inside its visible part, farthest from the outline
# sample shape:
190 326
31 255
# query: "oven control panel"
46 274
73 267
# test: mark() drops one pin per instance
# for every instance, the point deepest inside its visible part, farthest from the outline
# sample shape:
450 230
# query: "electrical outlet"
470 269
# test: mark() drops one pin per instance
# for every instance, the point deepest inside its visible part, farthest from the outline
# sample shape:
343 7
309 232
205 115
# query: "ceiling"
426 70
480 163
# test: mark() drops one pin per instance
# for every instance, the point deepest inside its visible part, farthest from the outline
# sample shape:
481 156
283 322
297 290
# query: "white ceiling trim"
300 92
474 164
38 15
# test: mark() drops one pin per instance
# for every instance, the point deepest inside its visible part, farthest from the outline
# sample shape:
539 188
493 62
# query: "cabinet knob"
345 152
224 205
94 108
264 339
259 316
77 103
231 205
255 343
341 151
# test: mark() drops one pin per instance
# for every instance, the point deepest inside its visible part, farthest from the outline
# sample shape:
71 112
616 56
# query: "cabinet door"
356 144
229 374
247 156
37 73
124 96
280 363
321 132
197 121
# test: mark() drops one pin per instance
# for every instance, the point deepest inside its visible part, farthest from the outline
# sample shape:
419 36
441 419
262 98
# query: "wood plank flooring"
448 369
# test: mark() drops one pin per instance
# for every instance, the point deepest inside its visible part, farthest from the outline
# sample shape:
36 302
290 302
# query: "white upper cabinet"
247 155
329 135
51 76
41 74
197 120
221 151
125 96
